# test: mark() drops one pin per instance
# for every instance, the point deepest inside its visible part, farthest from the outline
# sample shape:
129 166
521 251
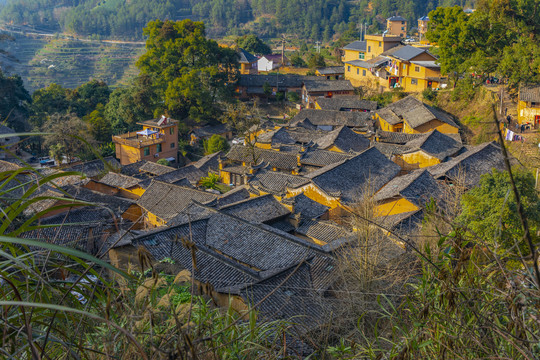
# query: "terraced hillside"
41 61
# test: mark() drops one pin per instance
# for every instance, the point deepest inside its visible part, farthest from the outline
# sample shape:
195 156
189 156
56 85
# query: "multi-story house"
158 139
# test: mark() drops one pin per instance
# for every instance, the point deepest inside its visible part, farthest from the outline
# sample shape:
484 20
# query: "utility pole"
283 49
365 30
361 28
318 46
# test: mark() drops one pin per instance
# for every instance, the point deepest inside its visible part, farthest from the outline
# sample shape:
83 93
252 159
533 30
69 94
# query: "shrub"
163 162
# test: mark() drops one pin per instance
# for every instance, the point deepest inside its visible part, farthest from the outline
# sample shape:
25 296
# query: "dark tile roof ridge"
277 272
404 181
235 264
267 228
244 201
327 168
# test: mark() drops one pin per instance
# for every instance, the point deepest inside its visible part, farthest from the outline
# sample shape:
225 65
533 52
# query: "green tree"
53 99
215 143
490 210
296 60
267 89
253 44
87 96
315 60
14 102
163 162
101 129
190 72
210 182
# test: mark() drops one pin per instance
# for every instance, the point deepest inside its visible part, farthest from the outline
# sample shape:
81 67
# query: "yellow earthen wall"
526 113
394 207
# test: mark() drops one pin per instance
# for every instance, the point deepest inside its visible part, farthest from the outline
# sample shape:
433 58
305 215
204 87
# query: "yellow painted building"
378 44
529 105
158 139
411 116
354 51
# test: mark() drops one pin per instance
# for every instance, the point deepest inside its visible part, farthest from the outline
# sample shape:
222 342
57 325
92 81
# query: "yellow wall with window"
359 76
385 126
349 55
527 112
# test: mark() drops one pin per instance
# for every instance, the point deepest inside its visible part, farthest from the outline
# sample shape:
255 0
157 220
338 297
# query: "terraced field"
41 61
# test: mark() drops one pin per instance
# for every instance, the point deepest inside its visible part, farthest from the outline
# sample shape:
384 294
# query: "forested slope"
315 19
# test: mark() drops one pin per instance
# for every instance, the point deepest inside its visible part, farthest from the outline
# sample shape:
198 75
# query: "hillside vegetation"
316 19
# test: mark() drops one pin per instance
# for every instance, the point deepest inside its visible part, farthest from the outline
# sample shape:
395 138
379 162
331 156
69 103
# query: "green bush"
293 96
429 94
163 162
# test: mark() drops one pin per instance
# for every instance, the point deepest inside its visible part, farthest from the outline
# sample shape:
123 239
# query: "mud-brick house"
161 202
344 183
396 25
467 168
407 193
353 51
328 120
410 115
331 72
430 149
314 89
529 105
248 62
158 139
117 184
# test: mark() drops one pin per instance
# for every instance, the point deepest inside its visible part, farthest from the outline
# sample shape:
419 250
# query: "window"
364 72
158 148
357 71
172 145
369 49
146 151
171 131
380 44
404 66
348 68
402 28
533 104
361 55
403 23
414 82
417 68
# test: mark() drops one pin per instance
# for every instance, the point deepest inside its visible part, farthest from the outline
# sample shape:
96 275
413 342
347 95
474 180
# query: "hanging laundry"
509 135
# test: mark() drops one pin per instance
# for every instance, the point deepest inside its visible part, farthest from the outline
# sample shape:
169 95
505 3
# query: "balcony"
132 139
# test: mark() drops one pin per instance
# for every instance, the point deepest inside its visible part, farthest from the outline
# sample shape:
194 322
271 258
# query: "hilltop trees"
14 101
253 44
510 48
190 72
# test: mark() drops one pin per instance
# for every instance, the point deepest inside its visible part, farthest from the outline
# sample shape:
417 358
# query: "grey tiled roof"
435 144
328 85
391 137
396 18
117 204
341 103
344 139
403 223
209 130
418 187
167 200
327 231
390 149
239 193
245 57
132 169
155 168
356 45
281 80
333 118
320 158
190 172
529 93
275 182
331 70
471 165
119 180
290 136
277 159
305 207
369 170
209 162
404 52
261 209
95 167
414 112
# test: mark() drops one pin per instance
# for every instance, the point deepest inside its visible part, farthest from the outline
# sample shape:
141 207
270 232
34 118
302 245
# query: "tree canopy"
510 48
490 210
253 44
189 71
